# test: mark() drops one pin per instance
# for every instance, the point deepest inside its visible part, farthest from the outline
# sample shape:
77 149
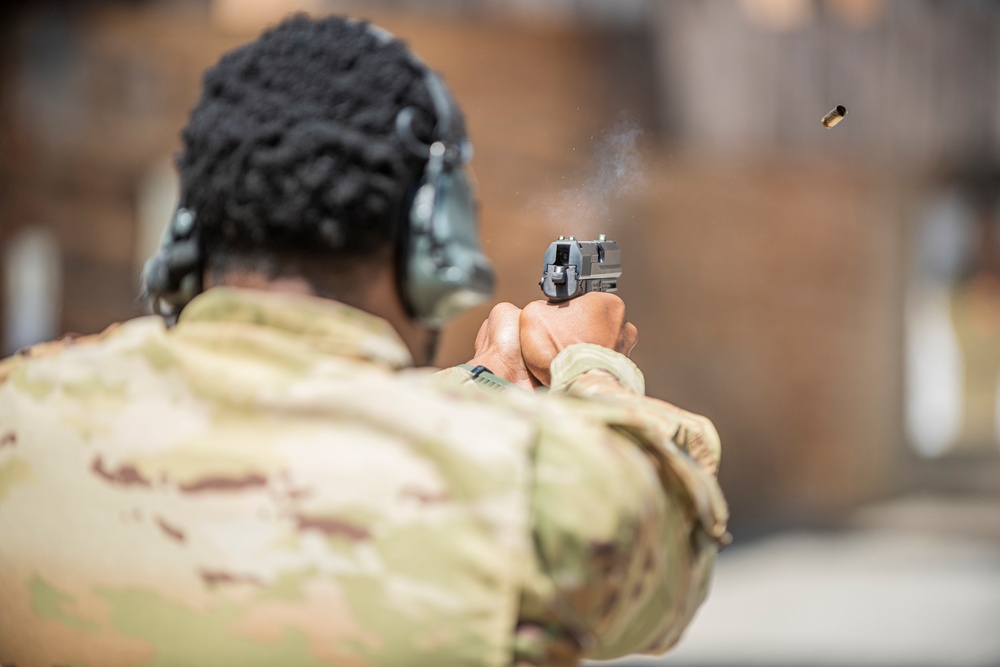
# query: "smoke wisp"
587 210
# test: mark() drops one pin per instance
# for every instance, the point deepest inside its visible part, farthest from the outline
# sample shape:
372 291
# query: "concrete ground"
909 583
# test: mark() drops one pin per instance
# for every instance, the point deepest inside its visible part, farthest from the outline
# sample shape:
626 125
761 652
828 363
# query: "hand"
498 346
549 328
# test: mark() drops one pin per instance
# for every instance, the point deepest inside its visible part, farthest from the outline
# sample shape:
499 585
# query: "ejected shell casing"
835 116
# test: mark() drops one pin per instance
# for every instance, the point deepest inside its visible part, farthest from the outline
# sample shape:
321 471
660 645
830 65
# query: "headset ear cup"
445 271
155 277
172 277
442 270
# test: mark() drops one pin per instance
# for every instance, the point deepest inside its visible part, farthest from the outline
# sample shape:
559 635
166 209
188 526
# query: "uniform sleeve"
592 371
627 512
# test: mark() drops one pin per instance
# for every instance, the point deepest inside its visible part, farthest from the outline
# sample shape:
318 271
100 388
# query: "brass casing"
835 116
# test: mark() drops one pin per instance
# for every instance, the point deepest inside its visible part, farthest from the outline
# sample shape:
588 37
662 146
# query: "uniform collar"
324 325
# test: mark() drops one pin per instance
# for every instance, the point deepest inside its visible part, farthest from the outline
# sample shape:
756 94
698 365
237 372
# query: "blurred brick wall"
95 99
768 296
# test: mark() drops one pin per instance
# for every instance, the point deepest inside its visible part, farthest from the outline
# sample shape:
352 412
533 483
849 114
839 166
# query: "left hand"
498 346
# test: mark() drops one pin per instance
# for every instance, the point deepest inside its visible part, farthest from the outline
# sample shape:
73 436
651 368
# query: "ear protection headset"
441 269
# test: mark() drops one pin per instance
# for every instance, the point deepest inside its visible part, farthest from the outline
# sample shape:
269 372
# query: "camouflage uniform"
267 483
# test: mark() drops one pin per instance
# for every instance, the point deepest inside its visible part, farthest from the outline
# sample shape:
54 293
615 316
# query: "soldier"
263 477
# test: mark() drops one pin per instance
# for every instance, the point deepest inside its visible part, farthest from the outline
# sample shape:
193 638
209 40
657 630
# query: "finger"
505 325
608 302
506 313
630 336
500 316
533 312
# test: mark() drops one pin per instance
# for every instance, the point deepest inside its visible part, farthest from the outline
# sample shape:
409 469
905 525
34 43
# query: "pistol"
572 268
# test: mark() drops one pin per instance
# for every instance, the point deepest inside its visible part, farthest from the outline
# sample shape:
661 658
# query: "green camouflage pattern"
270 483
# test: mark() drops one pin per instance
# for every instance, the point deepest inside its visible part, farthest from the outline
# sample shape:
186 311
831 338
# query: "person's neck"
379 297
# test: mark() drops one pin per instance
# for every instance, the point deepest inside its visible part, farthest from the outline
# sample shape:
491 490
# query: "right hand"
549 328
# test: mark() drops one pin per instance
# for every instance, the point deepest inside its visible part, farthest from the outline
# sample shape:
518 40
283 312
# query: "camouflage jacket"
270 483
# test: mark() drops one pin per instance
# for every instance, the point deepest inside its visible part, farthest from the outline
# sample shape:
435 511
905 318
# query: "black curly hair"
292 151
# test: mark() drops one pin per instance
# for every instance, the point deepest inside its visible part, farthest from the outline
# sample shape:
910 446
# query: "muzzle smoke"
587 210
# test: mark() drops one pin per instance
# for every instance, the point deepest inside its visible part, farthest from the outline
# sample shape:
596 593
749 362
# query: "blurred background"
829 297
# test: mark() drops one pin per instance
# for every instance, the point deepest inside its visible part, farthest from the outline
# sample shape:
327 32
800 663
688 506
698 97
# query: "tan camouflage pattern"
269 483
